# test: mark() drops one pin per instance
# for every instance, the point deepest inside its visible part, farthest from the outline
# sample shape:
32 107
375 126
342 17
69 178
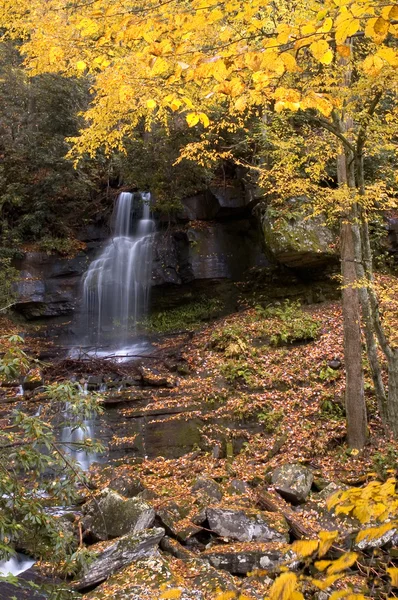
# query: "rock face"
116 556
293 482
299 242
248 525
112 515
49 285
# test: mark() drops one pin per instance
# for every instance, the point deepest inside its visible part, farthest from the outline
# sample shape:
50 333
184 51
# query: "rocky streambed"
218 458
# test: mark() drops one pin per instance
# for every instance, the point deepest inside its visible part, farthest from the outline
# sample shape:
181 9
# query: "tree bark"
354 390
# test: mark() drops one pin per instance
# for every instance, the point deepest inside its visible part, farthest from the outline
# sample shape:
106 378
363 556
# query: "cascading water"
117 284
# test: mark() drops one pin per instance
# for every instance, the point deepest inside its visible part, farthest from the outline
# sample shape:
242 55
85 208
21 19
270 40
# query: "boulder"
155 378
112 515
120 554
238 487
208 489
299 241
174 518
246 525
188 578
243 558
375 537
293 482
126 486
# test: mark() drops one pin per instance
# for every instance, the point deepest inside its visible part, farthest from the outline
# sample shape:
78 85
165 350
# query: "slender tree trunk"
354 392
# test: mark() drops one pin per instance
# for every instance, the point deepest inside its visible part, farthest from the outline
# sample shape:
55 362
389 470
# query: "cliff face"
215 237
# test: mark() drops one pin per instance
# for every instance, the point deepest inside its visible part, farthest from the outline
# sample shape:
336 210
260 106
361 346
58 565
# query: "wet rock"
120 554
155 378
126 486
208 489
293 482
246 525
34 379
174 519
244 558
112 515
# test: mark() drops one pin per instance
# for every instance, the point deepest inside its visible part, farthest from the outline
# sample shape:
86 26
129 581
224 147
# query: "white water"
73 437
15 565
116 285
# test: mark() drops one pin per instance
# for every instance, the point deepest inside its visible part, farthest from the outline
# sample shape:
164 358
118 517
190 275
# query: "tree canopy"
152 59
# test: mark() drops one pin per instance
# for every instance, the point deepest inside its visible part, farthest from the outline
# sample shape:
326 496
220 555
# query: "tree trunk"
354 390
392 406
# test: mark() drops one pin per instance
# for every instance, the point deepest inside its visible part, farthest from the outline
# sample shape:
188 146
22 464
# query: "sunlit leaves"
233 55
195 118
283 587
375 502
322 51
393 573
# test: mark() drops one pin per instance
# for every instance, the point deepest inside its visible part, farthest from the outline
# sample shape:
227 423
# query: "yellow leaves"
159 66
125 93
326 26
377 29
289 62
381 27
373 533
345 28
305 548
151 104
195 117
55 55
241 104
322 52
81 65
393 573
366 504
389 55
171 594
218 70
283 587
319 102
324 584
344 562
283 31
287 99
88 27
326 540
373 65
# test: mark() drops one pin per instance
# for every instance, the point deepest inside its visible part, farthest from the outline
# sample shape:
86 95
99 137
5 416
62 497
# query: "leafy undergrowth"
188 316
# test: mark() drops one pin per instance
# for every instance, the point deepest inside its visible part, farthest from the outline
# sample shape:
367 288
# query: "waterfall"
15 565
116 285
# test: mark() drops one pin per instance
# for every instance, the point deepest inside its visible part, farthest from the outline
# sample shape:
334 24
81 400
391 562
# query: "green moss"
187 316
